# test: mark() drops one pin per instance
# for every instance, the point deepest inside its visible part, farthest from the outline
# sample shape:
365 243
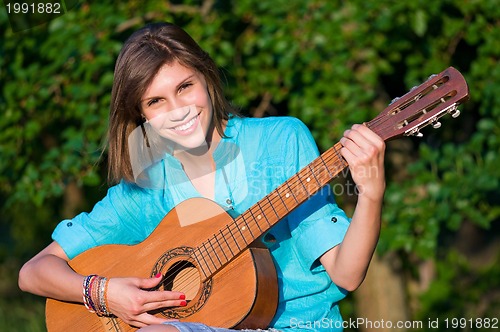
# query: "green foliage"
456 178
22 314
329 63
474 291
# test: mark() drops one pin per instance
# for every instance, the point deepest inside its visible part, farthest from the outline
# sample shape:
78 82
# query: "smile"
188 125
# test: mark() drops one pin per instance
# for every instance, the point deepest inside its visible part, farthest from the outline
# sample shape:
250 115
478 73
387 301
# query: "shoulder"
273 125
125 187
125 195
282 137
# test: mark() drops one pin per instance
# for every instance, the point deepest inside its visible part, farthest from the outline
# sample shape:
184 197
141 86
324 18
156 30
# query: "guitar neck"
405 116
222 247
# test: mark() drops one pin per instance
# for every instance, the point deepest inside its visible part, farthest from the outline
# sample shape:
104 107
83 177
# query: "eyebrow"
176 87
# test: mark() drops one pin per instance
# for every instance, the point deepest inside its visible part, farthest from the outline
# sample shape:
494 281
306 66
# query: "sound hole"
183 277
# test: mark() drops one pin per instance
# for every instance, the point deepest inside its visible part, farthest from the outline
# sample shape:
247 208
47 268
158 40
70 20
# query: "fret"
209 256
264 215
227 243
221 249
214 252
326 166
288 199
290 192
296 186
244 229
318 183
239 230
232 235
306 179
339 156
200 263
307 194
272 207
257 222
246 226
276 192
259 216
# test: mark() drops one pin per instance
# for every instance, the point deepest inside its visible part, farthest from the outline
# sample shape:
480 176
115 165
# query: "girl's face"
178 106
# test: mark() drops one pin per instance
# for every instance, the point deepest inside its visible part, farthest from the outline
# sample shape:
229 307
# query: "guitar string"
269 204
416 96
380 121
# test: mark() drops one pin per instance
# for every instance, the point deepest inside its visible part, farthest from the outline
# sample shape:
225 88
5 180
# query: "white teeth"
187 125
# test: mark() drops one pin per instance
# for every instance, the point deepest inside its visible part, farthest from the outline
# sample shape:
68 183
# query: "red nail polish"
183 303
182 297
158 275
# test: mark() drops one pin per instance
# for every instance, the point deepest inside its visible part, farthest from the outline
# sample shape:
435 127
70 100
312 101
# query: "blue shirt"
255 157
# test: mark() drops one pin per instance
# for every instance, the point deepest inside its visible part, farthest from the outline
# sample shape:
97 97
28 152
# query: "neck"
205 150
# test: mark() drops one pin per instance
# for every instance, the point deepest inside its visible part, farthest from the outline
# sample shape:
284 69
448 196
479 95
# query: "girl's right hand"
130 300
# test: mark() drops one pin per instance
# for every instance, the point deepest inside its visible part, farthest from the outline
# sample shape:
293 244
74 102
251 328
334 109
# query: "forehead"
171 74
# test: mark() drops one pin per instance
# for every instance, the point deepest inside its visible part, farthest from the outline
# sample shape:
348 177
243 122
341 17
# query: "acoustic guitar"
228 278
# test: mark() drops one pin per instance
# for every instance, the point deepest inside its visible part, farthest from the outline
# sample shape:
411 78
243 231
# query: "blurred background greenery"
329 63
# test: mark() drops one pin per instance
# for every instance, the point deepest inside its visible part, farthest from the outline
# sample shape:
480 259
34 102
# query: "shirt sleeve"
318 224
113 220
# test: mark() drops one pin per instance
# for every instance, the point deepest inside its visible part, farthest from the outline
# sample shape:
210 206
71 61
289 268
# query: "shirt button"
229 201
334 219
69 224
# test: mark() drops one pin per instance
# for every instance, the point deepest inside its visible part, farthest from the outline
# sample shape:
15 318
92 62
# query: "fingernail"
183 303
158 275
182 297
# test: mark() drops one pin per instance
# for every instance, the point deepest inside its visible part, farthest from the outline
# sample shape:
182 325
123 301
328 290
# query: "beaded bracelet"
95 294
87 300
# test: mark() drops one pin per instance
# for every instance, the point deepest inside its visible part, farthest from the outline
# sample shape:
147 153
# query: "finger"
148 283
349 142
146 319
363 142
362 136
348 155
161 296
369 135
353 142
164 304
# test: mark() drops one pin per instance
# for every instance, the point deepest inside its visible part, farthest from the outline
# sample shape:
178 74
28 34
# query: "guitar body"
232 297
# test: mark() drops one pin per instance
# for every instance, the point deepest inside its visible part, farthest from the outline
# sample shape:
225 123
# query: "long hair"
141 57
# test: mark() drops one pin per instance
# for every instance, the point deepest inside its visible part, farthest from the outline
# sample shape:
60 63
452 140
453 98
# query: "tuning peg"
436 124
455 113
431 77
414 132
394 100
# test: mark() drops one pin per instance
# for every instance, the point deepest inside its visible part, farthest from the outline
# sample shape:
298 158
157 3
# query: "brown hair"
142 55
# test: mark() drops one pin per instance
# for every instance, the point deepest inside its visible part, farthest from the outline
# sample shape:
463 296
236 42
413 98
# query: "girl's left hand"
364 152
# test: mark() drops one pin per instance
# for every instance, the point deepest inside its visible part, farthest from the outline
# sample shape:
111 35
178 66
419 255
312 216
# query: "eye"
185 86
153 101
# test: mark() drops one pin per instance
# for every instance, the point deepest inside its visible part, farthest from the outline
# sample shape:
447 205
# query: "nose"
179 114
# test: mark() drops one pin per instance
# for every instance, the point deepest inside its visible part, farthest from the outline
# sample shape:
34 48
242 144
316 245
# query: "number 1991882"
33 8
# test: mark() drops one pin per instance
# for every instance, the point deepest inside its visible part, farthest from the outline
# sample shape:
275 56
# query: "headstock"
422 106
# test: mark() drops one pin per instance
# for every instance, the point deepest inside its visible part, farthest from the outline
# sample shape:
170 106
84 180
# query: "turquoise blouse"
255 157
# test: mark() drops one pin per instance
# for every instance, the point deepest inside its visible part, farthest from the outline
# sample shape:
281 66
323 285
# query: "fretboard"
223 246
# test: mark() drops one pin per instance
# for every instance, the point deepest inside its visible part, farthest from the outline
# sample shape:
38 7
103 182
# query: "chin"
189 143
